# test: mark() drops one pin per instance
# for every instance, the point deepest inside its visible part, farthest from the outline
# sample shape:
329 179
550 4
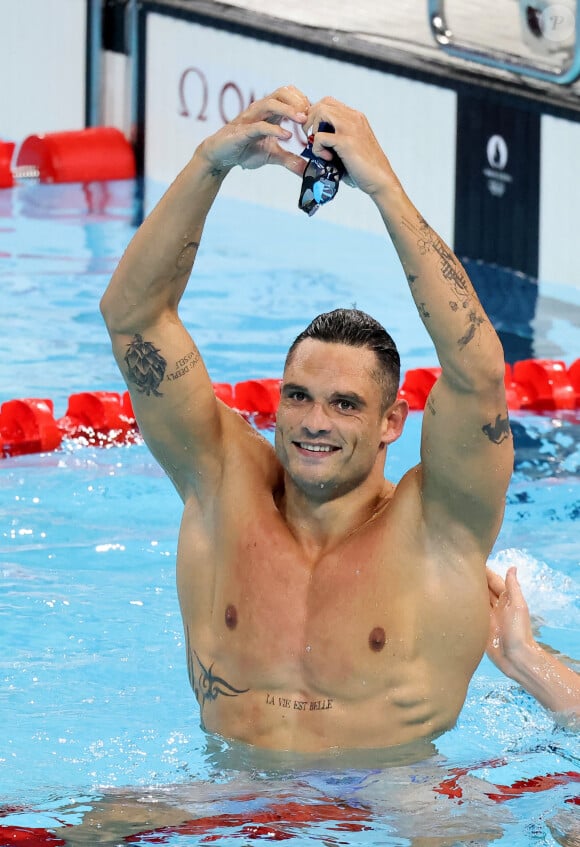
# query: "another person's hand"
513 648
253 138
510 630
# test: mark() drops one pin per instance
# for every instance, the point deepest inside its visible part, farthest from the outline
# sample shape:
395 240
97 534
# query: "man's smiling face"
330 428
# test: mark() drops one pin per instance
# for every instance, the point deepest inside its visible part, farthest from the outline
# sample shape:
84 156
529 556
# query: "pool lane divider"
85 155
6 154
106 418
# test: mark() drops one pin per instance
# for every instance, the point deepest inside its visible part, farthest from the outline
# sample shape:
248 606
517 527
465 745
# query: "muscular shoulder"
246 472
248 456
430 522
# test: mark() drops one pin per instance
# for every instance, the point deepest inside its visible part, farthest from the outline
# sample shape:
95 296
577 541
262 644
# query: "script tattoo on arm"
206 685
499 430
452 273
184 365
145 366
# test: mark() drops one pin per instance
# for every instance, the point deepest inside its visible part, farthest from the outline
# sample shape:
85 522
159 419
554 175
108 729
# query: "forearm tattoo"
145 366
498 430
452 273
474 321
206 685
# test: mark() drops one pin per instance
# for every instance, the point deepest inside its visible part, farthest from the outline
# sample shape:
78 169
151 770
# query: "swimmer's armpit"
498 430
206 685
145 366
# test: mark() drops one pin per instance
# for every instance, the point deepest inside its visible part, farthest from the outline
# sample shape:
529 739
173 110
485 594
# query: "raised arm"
171 391
515 651
467 452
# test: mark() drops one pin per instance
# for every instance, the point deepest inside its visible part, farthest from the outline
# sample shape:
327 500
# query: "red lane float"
6 153
260 396
224 392
85 155
28 426
546 385
416 386
574 376
257 400
106 417
97 416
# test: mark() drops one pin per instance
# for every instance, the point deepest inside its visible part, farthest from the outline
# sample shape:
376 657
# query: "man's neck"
321 525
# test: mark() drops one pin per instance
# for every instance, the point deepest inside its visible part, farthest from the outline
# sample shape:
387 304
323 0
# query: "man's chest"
346 624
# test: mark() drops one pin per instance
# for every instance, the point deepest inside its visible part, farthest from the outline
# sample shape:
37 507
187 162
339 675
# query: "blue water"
94 684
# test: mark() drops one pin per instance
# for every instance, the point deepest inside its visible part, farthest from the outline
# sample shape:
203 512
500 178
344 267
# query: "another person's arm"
515 651
172 395
467 449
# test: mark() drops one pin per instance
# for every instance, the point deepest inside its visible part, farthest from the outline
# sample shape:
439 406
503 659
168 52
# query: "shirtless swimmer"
323 606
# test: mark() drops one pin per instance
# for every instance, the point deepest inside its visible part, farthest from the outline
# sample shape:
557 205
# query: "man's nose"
316 419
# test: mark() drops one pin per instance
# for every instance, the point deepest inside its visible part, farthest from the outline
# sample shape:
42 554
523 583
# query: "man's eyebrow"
351 396
293 386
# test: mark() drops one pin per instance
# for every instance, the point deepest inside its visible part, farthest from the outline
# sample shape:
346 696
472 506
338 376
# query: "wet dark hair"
357 329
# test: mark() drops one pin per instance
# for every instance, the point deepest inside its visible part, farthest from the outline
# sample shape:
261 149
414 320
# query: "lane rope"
106 418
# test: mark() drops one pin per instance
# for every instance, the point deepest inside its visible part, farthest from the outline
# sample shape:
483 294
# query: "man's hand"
253 138
354 141
510 630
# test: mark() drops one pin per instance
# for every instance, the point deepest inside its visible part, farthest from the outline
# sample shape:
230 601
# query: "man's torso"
371 645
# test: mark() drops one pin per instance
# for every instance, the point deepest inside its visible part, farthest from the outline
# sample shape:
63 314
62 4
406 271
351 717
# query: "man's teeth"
317 448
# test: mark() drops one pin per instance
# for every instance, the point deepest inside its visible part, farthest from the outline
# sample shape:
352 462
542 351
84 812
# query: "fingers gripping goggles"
321 178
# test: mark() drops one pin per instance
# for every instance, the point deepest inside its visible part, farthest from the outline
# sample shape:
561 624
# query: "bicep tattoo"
145 366
184 365
498 430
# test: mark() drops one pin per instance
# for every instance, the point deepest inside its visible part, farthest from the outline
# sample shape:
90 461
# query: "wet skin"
326 615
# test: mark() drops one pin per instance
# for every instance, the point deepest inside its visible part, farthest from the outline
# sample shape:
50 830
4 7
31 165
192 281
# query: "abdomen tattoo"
207 686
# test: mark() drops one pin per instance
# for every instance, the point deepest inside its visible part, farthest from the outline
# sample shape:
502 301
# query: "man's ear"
394 421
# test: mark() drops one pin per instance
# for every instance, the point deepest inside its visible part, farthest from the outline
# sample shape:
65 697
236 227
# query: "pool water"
95 697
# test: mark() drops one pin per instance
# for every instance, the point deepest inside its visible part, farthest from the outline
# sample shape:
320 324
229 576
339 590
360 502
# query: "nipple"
231 617
377 639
